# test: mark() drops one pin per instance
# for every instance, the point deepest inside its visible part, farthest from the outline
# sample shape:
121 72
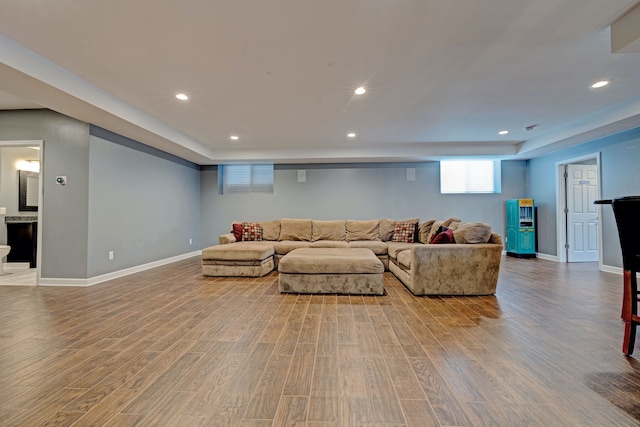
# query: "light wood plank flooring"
170 347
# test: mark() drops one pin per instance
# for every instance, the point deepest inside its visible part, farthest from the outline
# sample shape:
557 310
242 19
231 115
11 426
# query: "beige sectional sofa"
425 269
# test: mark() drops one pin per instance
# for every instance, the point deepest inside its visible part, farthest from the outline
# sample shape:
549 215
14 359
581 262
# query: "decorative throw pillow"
445 236
251 231
424 229
388 225
473 232
236 229
404 232
437 230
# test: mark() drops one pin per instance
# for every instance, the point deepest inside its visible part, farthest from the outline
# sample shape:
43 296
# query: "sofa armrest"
455 269
226 238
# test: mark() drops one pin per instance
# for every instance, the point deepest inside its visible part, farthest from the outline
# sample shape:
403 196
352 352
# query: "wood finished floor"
169 347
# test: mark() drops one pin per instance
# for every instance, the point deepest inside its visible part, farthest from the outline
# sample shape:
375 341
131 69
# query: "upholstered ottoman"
331 271
247 259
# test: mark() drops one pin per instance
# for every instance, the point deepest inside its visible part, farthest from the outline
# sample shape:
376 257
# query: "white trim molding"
611 269
44 281
547 257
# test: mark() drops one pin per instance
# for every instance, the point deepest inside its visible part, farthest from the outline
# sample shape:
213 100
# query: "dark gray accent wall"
65 208
620 175
355 191
142 206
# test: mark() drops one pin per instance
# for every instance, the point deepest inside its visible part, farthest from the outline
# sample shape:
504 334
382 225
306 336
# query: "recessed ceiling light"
503 132
234 137
601 83
182 96
360 91
351 135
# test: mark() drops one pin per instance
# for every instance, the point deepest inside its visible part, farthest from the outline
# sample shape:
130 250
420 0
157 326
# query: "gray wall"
355 191
121 195
66 152
143 205
620 171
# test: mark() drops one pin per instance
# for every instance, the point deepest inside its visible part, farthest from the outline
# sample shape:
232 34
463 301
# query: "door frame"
561 204
34 143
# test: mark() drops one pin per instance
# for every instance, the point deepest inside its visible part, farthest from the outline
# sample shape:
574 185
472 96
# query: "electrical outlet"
110 255
191 241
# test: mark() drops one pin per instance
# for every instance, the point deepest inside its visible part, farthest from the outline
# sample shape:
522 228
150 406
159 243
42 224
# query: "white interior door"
582 215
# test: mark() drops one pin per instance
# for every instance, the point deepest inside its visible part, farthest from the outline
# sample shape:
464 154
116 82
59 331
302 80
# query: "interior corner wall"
355 191
620 176
144 205
65 208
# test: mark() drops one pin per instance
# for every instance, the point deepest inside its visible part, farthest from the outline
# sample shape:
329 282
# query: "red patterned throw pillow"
251 231
404 232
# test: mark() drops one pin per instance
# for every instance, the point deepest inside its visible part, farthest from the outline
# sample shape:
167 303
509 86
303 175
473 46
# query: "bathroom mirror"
28 191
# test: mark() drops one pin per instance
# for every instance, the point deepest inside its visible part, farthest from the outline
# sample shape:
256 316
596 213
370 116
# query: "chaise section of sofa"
449 269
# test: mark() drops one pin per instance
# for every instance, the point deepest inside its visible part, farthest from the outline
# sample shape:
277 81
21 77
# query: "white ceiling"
443 77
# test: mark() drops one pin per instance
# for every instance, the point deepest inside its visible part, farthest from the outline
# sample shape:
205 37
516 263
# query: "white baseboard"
611 269
547 257
541 256
46 281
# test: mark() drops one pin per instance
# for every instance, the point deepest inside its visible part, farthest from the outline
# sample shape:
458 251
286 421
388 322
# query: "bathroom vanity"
22 234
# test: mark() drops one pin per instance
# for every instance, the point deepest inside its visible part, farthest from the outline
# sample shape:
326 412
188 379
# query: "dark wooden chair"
627 213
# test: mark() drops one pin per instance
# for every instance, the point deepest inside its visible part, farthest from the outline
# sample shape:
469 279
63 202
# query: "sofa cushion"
239 251
330 261
404 232
394 248
283 247
404 259
329 244
251 231
424 229
472 232
378 248
328 230
363 230
295 229
385 229
270 230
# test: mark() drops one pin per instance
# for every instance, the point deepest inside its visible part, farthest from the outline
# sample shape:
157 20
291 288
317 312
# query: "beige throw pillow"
472 232
328 230
363 230
295 229
270 230
423 231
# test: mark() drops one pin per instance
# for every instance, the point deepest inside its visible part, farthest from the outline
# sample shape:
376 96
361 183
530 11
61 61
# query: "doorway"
579 234
21 171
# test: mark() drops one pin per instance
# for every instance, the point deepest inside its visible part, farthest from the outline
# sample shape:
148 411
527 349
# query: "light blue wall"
355 191
620 171
143 204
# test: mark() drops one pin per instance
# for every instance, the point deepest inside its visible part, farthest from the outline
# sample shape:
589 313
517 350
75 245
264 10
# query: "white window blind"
244 179
470 176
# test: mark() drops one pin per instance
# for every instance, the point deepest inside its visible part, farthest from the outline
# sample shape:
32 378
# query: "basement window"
470 176
245 179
